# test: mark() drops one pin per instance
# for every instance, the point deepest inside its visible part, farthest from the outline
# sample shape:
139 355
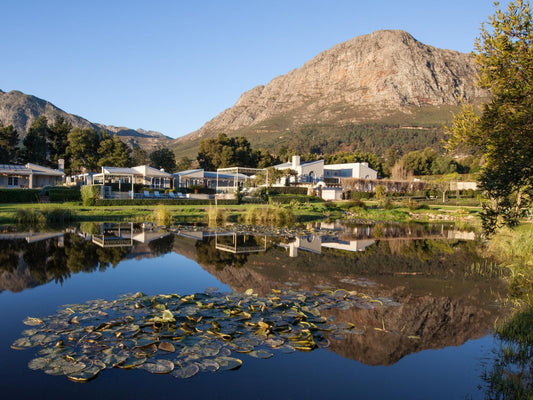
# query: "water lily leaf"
22 344
277 342
39 363
159 367
228 363
132 362
260 354
166 346
85 374
208 365
31 321
186 372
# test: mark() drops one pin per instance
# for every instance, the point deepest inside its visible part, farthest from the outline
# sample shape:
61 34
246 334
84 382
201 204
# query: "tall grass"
215 216
273 214
44 215
514 250
162 215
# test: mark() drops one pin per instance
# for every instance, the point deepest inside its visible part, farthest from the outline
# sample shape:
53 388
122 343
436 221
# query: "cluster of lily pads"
183 335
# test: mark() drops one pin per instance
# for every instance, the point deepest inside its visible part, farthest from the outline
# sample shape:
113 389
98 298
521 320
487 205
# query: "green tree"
163 158
503 131
113 152
225 152
8 144
139 156
35 146
58 138
82 150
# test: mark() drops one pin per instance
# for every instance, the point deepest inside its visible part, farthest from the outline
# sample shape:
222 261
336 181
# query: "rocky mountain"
20 110
386 76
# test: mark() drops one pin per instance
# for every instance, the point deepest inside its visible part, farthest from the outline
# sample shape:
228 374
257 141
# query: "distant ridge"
20 110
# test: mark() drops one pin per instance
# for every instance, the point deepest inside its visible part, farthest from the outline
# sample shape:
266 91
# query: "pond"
329 311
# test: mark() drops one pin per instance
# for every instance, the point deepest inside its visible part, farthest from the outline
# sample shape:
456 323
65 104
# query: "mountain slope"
386 76
20 110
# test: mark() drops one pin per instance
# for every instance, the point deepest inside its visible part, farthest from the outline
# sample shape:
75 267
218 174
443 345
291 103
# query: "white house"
29 176
350 170
307 172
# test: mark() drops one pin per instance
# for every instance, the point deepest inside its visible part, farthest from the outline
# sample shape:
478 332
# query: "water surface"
435 344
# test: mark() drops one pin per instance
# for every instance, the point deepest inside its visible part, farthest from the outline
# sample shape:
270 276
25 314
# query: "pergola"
238 173
142 174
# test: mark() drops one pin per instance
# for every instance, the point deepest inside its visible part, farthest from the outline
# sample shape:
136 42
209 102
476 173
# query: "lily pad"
31 321
186 372
260 354
159 367
228 363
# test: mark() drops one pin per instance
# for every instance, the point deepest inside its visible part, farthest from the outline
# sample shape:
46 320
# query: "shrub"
348 205
30 217
57 215
89 194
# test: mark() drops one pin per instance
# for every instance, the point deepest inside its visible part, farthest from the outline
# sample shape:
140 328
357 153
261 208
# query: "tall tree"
139 156
8 145
57 138
35 147
503 131
82 150
163 158
113 152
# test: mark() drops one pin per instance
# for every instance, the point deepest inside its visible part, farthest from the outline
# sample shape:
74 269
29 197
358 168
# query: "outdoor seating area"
158 195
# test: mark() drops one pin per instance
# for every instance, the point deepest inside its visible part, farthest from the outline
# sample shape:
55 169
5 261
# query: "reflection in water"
428 270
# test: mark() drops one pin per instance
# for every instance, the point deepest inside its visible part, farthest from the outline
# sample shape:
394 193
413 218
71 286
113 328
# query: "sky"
171 66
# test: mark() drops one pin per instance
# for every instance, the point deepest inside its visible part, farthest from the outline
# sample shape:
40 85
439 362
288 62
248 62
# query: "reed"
273 214
215 216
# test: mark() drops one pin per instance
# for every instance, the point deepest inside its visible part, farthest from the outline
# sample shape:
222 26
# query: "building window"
12 181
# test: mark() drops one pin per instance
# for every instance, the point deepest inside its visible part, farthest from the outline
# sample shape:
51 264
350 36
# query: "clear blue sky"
171 66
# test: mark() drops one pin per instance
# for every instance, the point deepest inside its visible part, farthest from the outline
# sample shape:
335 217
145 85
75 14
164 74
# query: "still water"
428 336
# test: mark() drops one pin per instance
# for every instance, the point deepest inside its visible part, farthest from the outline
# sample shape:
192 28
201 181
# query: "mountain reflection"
445 288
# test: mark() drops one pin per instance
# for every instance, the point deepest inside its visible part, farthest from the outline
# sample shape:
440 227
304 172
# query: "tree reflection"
207 254
511 376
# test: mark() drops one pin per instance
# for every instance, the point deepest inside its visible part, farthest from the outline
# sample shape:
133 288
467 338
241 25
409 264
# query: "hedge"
287 190
64 194
288 199
19 195
170 202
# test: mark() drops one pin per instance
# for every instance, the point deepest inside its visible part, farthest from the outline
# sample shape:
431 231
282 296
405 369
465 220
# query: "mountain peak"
364 79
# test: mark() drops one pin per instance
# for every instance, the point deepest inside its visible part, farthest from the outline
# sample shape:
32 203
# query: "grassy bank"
190 213
511 375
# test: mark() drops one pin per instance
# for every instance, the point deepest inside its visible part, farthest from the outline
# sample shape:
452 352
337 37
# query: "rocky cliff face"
20 110
364 79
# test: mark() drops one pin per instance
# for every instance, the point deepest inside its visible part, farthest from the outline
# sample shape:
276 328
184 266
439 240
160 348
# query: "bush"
90 194
360 195
348 205
19 195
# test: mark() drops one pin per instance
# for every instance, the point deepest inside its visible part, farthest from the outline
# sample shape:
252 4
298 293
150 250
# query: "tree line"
82 149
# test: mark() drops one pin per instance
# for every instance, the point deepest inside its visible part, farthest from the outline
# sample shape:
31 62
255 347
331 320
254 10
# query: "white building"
307 172
350 170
